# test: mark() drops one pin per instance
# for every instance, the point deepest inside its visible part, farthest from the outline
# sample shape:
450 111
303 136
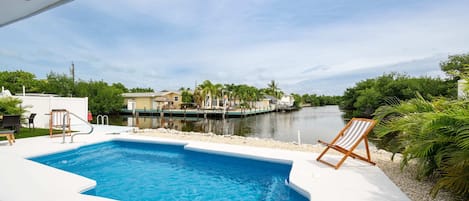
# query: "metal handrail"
64 125
102 117
71 137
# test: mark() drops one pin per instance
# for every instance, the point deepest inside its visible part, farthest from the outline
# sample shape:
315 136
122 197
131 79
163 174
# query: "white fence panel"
43 105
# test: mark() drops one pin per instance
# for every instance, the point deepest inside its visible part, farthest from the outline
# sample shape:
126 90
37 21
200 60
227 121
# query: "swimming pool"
147 171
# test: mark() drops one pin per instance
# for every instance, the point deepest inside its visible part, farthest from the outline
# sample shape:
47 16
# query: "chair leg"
9 140
322 154
367 149
323 161
356 156
346 154
343 159
327 163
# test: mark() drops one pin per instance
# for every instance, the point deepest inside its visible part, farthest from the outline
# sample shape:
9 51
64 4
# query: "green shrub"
10 105
433 134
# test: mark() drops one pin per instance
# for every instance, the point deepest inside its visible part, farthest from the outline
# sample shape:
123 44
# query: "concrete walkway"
21 179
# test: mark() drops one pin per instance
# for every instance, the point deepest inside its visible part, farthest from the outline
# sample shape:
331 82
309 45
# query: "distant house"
272 99
263 104
152 100
286 101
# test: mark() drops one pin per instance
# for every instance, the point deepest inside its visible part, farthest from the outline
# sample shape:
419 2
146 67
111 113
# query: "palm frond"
462 139
455 177
433 134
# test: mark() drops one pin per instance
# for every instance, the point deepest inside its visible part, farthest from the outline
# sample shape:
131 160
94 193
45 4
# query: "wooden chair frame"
9 134
349 152
56 120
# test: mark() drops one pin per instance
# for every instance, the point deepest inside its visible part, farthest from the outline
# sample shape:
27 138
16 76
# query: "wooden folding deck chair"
348 139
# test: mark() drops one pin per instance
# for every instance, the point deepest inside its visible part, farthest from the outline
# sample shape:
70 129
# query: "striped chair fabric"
348 139
353 134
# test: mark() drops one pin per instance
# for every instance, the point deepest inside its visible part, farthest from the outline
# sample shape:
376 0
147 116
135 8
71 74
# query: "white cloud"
168 44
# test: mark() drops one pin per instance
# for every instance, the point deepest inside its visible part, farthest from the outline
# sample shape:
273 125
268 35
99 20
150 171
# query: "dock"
201 113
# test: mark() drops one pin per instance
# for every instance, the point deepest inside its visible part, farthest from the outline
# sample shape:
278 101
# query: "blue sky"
311 46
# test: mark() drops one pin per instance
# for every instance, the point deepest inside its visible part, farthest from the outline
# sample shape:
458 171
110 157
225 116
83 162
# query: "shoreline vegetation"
405 179
106 98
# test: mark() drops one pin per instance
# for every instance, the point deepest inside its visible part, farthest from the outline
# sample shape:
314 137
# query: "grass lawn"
26 132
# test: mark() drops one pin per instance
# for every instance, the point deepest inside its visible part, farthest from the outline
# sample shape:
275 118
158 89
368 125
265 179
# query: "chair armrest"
324 143
6 131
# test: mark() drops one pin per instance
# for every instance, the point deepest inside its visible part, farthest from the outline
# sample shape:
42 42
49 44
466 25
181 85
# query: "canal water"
312 123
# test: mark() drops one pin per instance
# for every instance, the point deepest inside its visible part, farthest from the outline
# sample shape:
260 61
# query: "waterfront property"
152 101
198 113
316 181
311 123
169 103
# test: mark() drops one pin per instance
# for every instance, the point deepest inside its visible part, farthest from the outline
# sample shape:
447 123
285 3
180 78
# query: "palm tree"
218 92
230 92
206 91
198 96
253 95
186 95
273 89
239 94
435 135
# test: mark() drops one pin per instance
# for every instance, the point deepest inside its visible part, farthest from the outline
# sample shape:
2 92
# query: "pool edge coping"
307 182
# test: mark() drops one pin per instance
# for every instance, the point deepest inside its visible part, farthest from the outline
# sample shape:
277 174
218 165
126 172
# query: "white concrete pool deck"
24 180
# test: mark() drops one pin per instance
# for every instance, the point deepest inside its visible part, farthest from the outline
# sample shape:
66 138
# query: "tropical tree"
236 94
10 105
367 95
434 134
243 92
198 96
103 98
120 86
298 100
367 101
15 80
253 95
187 96
273 89
456 65
247 95
218 91
140 90
206 92
230 92
59 84
315 100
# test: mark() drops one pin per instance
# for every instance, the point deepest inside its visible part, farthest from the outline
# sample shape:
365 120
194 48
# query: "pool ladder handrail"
73 135
102 118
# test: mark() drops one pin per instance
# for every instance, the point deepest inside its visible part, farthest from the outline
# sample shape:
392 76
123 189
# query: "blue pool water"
146 171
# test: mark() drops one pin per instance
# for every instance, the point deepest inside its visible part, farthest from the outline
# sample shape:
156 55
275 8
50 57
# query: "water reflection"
313 123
